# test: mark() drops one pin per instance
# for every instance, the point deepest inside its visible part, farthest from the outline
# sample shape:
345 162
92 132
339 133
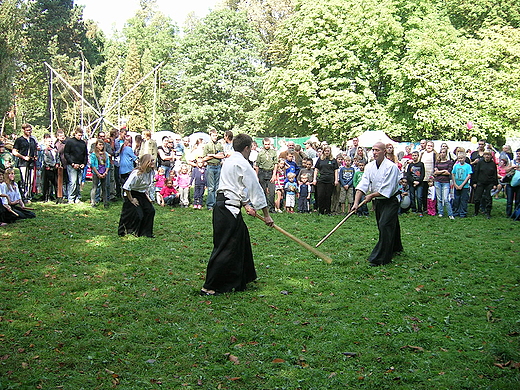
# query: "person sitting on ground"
13 201
168 195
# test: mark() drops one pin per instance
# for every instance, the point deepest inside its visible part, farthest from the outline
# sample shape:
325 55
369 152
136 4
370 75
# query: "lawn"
83 308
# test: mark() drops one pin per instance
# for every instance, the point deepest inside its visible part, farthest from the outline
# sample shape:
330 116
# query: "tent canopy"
370 137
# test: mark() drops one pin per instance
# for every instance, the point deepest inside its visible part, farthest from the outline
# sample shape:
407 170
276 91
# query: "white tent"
159 135
370 137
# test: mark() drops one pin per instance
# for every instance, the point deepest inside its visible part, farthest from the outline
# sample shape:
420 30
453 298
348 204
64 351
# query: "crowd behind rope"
434 179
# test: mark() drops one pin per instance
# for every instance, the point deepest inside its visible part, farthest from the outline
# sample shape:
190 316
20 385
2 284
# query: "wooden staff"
341 223
59 186
321 255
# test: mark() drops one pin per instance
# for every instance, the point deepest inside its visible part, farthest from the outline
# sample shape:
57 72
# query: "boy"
291 189
292 166
363 210
304 194
199 183
461 175
415 176
346 178
404 204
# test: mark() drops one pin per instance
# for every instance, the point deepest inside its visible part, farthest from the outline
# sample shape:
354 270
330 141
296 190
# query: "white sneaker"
452 217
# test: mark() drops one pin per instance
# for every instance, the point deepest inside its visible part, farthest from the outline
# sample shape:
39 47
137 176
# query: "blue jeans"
416 198
460 203
513 197
212 180
75 176
442 192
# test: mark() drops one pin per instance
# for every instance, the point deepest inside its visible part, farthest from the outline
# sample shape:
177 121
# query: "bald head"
378 151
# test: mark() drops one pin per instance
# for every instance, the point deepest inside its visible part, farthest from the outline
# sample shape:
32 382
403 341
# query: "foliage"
266 16
414 69
10 25
54 32
397 66
218 73
84 308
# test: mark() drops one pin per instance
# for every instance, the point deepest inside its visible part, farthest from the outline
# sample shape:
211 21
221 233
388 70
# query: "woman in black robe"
138 213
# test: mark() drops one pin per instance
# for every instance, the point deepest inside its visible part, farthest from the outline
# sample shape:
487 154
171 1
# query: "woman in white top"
138 212
12 200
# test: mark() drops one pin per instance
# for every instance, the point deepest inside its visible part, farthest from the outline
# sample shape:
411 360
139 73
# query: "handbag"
515 181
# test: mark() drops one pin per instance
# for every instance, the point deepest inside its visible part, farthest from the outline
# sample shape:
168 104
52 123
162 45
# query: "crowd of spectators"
295 178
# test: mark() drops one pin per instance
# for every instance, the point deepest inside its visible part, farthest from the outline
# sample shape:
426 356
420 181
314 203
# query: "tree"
11 27
266 16
335 76
398 66
218 73
52 29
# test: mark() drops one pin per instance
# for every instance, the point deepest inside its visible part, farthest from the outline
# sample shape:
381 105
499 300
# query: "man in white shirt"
381 179
231 266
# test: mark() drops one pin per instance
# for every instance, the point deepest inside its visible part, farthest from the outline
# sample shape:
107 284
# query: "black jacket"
75 151
485 173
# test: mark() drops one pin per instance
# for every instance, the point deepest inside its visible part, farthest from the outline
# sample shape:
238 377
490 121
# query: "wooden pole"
321 255
339 224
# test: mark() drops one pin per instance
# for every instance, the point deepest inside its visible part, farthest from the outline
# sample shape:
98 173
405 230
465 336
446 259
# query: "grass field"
82 308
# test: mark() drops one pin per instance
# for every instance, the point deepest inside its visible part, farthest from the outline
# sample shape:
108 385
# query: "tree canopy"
413 68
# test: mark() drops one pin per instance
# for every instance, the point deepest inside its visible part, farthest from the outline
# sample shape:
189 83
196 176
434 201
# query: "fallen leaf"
278 360
421 349
419 287
232 358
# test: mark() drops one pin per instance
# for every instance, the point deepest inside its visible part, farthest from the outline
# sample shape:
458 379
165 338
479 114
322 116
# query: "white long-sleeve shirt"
239 184
383 179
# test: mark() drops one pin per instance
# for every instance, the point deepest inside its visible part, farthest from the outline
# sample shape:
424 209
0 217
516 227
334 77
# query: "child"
168 195
431 203
501 171
173 177
183 183
198 178
405 202
346 178
292 167
461 175
279 183
306 170
49 166
363 210
291 189
304 194
160 179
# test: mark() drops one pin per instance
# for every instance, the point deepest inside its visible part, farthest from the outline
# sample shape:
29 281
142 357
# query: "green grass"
82 308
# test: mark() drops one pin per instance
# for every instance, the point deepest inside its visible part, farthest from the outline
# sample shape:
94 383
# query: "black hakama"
137 220
230 265
389 231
